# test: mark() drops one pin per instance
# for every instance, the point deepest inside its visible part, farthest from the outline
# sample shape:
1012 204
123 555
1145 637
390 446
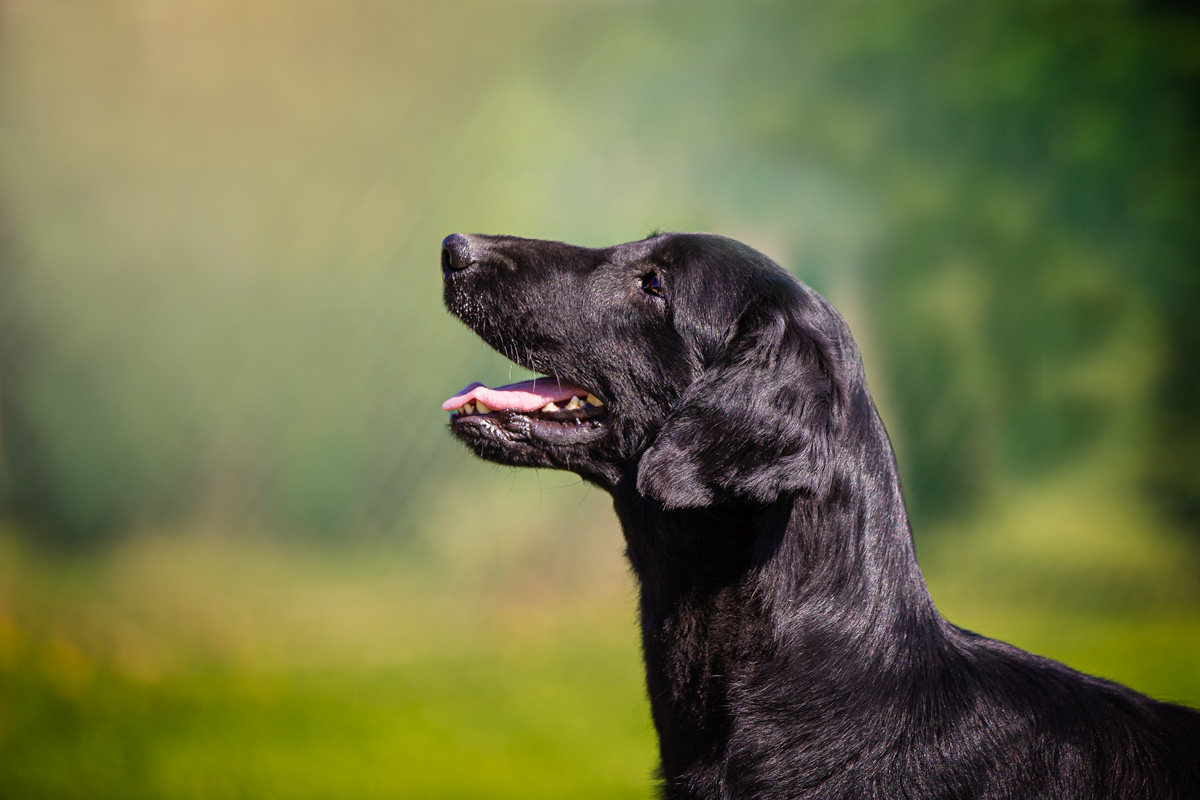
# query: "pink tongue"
523 396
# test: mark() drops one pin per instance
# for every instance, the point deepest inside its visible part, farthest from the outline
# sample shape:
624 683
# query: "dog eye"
652 284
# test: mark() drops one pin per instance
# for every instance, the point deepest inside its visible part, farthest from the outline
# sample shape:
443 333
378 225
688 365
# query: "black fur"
791 647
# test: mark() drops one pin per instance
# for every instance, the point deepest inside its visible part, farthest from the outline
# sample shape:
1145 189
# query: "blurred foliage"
220 225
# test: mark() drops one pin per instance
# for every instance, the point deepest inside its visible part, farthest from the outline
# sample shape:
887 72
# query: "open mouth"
545 405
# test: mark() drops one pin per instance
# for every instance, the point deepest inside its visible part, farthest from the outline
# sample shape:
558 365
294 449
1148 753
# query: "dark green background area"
240 555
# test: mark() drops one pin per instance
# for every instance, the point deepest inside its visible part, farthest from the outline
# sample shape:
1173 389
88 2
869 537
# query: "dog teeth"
574 404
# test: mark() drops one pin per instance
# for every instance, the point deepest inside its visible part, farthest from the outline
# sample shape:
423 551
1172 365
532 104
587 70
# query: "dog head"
701 371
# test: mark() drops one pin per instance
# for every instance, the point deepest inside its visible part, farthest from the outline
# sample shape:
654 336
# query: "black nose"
456 253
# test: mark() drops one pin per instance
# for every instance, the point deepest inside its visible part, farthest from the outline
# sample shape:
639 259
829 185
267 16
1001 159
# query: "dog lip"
521 426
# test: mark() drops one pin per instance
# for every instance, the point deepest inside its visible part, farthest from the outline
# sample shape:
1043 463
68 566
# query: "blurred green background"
241 557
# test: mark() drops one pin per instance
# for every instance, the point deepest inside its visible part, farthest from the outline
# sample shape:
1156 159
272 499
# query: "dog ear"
759 422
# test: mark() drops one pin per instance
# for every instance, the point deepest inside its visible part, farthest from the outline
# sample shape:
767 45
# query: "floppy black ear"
760 421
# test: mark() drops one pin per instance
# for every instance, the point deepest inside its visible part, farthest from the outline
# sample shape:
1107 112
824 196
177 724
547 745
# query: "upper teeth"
575 403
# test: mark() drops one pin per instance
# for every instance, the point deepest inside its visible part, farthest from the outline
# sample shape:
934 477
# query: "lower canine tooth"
573 404
482 408
550 407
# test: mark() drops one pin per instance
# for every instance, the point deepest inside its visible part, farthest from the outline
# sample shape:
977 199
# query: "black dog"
791 646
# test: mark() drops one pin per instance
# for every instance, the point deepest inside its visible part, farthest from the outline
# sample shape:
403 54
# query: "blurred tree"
1173 236
1037 171
1058 152
8 354
40 485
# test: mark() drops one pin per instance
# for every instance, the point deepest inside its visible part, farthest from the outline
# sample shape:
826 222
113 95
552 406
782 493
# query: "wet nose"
456 254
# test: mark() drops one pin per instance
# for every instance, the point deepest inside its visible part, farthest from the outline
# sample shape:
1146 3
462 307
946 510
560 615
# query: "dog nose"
456 254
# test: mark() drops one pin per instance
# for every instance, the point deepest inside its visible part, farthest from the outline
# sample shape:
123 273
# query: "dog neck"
811 592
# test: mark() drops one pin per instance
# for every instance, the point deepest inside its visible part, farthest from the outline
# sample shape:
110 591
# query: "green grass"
565 722
197 666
